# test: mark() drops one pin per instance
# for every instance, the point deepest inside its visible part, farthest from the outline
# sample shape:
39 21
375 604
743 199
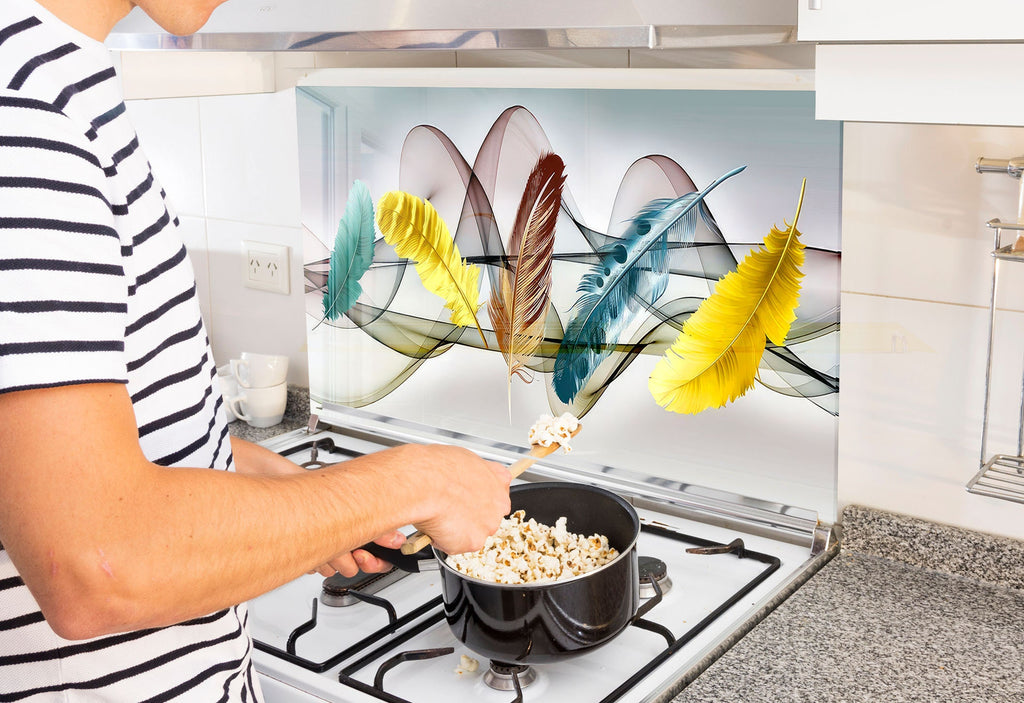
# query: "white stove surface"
700 583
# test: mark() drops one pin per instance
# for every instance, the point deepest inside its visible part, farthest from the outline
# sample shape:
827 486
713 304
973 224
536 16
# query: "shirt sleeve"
63 290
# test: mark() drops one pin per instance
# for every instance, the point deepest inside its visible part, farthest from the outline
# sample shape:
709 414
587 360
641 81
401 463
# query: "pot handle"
414 563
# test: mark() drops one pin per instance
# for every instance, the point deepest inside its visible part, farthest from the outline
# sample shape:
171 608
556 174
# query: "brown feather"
519 304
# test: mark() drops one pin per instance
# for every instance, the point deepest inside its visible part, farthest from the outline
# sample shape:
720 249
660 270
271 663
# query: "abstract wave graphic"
631 272
679 273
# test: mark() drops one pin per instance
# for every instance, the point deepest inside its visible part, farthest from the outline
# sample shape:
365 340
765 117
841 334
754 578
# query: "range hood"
357 25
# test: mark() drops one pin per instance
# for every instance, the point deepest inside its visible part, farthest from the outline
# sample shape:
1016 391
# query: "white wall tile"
169 133
115 59
914 210
911 405
250 158
917 280
193 234
244 319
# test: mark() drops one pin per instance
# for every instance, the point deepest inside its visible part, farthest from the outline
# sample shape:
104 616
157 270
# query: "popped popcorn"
525 551
550 430
467 665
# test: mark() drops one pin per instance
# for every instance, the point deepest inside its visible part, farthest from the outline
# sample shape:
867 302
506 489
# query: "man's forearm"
253 459
250 458
224 538
107 541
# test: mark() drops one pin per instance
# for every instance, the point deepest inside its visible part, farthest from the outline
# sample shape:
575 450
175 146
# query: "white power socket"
265 266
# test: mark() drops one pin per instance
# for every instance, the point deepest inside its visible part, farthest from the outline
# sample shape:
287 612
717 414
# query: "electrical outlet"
265 266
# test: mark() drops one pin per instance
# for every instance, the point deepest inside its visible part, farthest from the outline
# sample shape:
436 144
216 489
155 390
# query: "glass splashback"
610 248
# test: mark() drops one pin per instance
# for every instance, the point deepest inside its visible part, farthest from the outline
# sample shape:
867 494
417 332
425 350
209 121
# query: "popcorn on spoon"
538 433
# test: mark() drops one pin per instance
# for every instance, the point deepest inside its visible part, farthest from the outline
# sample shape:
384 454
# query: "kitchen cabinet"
933 20
916 62
923 83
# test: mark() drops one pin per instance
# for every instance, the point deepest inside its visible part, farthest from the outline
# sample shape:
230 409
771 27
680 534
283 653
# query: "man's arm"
107 541
253 459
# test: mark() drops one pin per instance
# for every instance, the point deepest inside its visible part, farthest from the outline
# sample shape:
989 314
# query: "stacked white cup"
261 392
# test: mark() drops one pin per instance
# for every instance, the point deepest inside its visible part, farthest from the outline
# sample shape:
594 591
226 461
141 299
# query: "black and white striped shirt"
95 286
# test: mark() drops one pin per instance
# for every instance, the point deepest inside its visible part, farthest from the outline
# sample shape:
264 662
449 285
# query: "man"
124 555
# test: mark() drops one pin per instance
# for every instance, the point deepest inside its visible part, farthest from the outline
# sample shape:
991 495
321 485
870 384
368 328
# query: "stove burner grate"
403 629
289 655
322 444
509 677
653 570
341 591
412 655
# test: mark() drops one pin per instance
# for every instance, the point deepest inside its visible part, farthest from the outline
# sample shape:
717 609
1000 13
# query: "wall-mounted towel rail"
1001 475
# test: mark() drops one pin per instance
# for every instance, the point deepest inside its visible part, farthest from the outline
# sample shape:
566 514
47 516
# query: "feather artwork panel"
630 274
352 253
415 229
716 356
519 305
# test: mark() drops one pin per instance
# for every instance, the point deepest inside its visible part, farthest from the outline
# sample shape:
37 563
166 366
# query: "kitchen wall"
916 281
229 164
916 265
227 156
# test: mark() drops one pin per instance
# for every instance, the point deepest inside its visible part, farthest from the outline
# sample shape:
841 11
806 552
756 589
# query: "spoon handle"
418 540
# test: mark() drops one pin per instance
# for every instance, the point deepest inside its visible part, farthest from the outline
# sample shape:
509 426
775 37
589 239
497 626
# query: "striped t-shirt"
95 286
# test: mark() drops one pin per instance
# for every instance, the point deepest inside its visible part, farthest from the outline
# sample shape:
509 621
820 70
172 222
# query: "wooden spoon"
418 540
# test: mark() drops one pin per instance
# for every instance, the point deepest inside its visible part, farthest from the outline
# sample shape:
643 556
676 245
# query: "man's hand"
467 495
351 563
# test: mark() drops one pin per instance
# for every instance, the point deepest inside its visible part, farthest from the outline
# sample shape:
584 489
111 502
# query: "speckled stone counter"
881 622
917 542
296 414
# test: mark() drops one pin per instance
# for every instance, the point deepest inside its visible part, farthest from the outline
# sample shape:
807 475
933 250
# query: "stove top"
385 638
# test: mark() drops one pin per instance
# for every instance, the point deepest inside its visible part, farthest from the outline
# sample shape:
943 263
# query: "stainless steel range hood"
469 25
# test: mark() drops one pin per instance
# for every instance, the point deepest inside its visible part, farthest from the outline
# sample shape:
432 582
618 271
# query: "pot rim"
441 556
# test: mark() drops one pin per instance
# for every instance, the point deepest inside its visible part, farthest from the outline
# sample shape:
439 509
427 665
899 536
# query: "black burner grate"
386 643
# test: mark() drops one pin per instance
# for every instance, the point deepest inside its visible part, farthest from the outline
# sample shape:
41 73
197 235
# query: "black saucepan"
543 622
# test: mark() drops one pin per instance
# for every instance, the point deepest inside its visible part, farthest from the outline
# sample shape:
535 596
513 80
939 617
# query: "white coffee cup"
260 370
260 407
228 387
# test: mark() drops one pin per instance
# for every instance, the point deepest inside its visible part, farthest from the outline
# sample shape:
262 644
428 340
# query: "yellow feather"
414 228
716 356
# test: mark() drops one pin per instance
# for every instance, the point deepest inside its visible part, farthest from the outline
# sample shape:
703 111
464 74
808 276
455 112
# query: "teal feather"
632 273
352 254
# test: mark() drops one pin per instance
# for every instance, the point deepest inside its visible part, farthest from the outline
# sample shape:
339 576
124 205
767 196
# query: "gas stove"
711 567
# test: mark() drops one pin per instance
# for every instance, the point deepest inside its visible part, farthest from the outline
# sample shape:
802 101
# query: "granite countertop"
908 611
296 415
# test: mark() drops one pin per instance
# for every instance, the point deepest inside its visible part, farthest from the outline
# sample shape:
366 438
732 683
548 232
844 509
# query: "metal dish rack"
1001 475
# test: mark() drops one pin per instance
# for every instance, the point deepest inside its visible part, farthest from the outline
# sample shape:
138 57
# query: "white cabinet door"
910 20
928 83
